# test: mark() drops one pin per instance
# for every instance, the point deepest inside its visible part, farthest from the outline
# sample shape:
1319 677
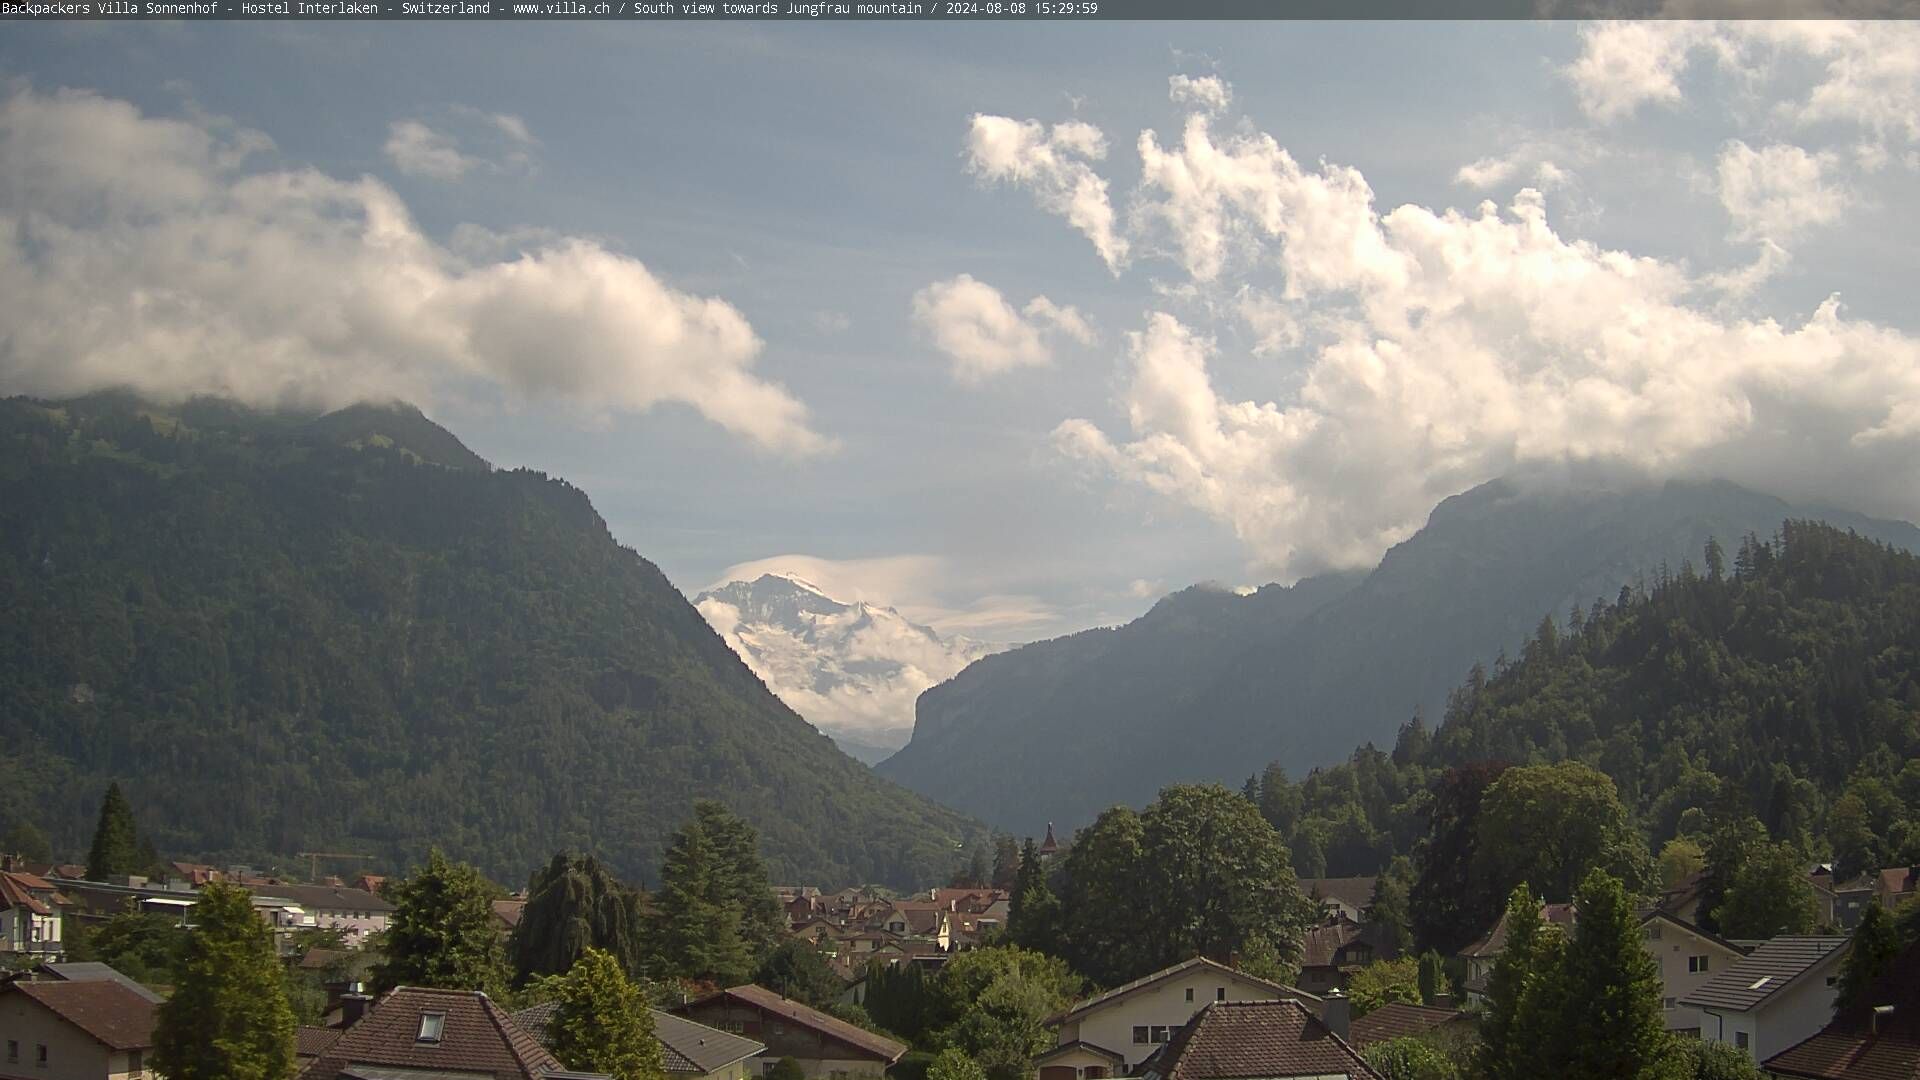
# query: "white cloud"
1869 72
1208 92
1624 65
1777 191
1448 348
418 150
1053 163
981 333
294 287
513 127
1064 318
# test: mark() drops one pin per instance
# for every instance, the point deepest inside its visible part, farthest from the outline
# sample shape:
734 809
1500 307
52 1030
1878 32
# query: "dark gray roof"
90 971
696 1048
685 1047
1754 978
326 897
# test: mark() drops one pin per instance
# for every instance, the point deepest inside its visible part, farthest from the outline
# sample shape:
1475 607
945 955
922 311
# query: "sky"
1014 327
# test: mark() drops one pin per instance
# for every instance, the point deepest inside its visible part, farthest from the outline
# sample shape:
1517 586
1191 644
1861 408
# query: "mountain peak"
852 669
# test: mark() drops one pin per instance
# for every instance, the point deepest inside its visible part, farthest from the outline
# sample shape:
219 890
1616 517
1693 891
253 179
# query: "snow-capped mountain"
853 670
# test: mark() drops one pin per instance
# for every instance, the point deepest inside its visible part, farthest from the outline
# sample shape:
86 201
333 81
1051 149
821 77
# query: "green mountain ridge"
1210 685
346 632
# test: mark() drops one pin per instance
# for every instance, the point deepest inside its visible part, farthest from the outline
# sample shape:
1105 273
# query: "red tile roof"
14 892
105 1010
1238 1040
766 1000
310 1042
1396 1020
476 1037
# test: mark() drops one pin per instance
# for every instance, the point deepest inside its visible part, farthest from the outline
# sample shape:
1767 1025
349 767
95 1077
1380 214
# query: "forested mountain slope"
1782 675
346 633
1210 685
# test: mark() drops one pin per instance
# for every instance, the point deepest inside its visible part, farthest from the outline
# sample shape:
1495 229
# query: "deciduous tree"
1770 895
227 1018
442 932
1548 825
601 1022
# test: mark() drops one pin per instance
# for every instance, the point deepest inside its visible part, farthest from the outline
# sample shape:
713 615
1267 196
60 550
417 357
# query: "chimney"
1882 1016
1337 1012
352 1008
1442 999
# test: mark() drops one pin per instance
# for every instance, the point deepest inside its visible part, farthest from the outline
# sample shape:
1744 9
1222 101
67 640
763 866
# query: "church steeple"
1049 846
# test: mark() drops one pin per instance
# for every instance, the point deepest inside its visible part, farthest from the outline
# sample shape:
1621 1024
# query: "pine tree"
1031 874
228 1017
701 911
1875 943
1433 977
1615 1027
1006 862
1522 1035
1500 1045
442 932
116 843
740 879
601 1022
1387 910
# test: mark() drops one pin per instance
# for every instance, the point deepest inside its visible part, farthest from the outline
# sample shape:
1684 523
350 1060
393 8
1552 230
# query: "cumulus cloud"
1777 191
1624 65
1055 165
1496 171
983 335
418 150
1868 72
1208 92
292 287
1447 348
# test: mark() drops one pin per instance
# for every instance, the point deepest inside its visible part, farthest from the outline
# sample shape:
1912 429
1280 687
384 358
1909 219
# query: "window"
1666 1003
43 1055
431 1025
1159 1033
1219 993
13 1047
1653 931
1740 1039
1697 964
135 1066
1140 1034
1189 993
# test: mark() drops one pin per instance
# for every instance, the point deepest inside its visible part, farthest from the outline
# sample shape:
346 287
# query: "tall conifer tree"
116 843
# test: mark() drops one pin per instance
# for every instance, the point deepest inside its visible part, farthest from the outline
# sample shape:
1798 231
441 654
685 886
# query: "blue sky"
1299 403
